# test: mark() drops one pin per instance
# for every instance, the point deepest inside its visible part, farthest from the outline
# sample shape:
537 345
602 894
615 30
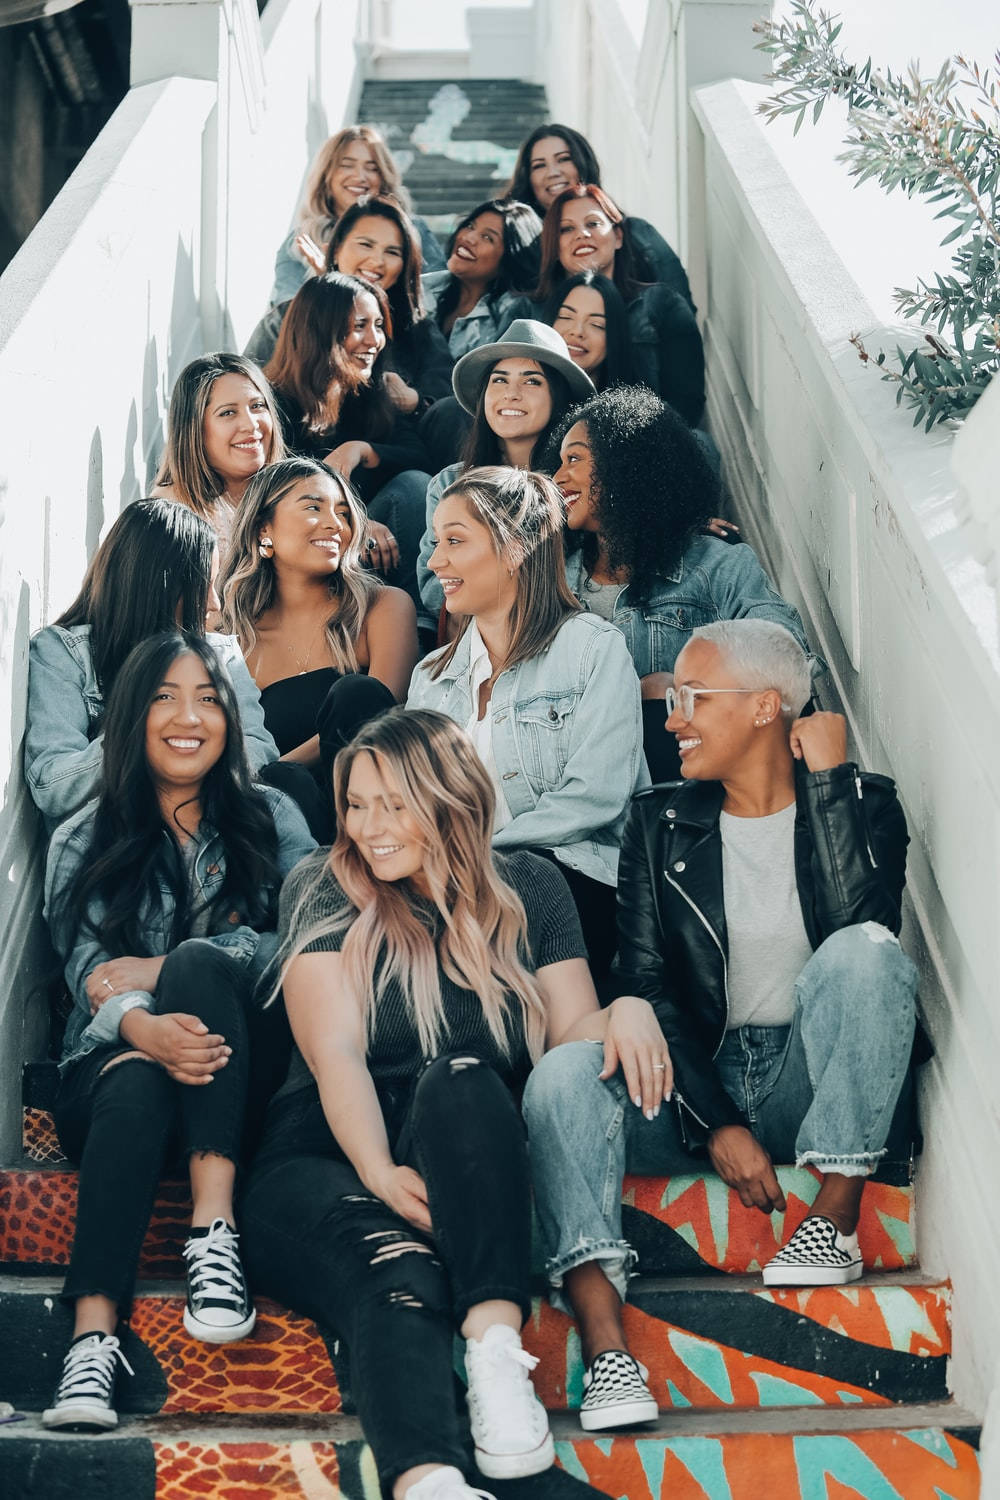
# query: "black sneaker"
219 1309
615 1393
83 1400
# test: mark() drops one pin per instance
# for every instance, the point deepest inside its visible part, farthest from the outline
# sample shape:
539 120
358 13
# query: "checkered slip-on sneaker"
816 1255
615 1393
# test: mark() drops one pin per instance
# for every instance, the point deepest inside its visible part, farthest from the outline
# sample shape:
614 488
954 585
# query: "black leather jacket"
850 867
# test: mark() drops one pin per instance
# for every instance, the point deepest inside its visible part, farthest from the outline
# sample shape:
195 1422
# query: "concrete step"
707 1343
921 1453
679 1226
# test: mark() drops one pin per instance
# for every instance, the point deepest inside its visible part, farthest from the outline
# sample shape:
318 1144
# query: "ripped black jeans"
318 1240
122 1125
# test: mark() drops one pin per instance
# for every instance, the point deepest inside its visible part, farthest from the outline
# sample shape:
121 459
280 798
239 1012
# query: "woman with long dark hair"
556 157
353 164
584 230
328 372
155 570
492 262
222 427
516 392
589 313
161 900
375 241
424 973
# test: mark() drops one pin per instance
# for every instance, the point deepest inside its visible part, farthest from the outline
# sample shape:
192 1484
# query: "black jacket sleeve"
644 969
423 359
858 856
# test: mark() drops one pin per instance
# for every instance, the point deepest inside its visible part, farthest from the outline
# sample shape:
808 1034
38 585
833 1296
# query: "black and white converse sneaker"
83 1399
615 1393
816 1255
219 1309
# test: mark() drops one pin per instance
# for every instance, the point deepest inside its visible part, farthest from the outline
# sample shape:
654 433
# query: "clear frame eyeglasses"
683 698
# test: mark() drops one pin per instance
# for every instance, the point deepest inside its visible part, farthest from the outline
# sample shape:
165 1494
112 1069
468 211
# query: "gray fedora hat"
534 341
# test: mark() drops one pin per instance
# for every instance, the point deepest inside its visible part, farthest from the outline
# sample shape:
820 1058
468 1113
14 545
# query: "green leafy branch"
939 138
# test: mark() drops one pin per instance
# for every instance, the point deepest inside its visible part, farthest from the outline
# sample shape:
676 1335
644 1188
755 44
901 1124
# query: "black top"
397 450
292 704
394 1055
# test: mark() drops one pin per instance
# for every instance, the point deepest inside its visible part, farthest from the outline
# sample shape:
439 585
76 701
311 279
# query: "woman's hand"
727 530
385 553
634 1042
347 457
314 255
116 976
184 1045
820 740
402 396
654 685
743 1164
405 1192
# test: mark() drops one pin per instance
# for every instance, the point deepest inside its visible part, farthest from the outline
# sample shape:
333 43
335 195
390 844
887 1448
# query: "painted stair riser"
680 1226
704 1349
923 1464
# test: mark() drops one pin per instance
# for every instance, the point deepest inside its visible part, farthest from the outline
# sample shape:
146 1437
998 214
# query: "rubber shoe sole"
618 1414
80 1417
812 1275
517 1465
213 1333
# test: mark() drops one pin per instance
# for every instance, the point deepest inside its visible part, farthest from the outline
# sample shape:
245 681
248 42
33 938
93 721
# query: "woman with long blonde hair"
423 976
326 642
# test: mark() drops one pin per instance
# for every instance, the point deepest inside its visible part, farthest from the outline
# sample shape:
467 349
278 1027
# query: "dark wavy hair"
403 296
124 866
309 356
618 367
581 153
151 573
553 274
519 263
482 446
655 487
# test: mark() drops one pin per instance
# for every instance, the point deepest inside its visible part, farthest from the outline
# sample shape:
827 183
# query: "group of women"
442 762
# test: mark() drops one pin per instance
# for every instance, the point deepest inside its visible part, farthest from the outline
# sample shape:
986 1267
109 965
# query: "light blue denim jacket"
567 741
483 325
62 753
714 580
81 950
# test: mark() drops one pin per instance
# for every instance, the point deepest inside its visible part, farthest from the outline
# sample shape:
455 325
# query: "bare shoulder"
391 606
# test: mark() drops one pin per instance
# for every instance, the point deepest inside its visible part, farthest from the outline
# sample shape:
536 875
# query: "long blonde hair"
318 213
249 583
448 793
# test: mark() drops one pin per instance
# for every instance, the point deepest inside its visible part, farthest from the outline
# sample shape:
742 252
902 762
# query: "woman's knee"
565 1081
455 1078
193 961
862 968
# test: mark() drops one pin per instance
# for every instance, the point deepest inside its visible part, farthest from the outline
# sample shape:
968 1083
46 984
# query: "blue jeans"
822 1091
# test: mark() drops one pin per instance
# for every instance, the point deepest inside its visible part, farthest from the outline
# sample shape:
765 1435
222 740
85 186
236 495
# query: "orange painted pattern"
244 1471
858 1312
38 1212
749 1238
38 1136
282 1367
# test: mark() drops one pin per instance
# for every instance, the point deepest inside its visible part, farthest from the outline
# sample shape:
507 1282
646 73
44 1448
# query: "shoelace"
515 1387
214 1268
89 1369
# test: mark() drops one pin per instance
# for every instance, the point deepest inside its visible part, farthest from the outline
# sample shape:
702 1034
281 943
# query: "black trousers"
317 1239
121 1123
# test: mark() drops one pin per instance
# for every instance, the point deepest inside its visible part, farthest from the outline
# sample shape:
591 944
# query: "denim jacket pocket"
544 726
661 632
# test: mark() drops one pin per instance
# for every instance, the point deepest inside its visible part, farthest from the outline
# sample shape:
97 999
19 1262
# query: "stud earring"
265 547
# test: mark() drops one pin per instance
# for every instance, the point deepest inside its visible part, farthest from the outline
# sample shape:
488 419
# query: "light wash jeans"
821 1091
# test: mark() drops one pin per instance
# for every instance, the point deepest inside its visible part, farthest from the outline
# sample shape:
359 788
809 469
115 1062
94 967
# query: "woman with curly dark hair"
639 490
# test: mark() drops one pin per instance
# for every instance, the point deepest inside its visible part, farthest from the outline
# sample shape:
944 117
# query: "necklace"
303 666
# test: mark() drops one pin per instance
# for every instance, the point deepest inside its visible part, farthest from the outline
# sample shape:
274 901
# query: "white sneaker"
218 1308
510 1426
445 1484
83 1399
816 1255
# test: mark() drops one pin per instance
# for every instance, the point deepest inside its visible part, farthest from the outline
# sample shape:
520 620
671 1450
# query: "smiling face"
582 321
575 479
356 175
478 249
365 338
474 577
518 399
237 430
185 726
379 824
587 238
373 250
551 169
715 742
310 527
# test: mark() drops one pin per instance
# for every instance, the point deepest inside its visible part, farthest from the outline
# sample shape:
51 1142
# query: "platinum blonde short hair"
761 654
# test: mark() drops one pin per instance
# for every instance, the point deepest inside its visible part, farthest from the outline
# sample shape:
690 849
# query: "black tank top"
292 704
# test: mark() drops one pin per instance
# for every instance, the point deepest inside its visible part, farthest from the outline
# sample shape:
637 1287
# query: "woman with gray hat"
517 391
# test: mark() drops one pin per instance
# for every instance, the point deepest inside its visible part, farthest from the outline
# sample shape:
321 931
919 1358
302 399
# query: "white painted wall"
160 246
861 520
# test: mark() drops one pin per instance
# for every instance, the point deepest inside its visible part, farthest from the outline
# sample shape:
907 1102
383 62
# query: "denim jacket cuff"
105 1025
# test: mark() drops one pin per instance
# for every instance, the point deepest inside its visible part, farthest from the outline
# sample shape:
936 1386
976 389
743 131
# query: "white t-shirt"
480 731
768 945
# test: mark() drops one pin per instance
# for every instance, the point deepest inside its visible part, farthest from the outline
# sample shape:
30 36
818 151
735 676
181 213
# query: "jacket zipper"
864 819
715 939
